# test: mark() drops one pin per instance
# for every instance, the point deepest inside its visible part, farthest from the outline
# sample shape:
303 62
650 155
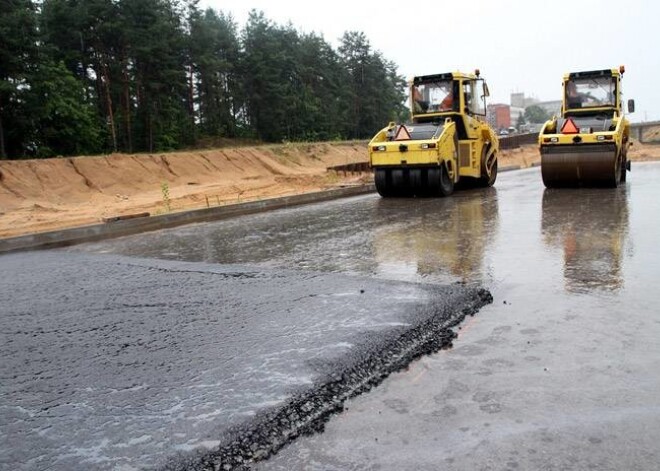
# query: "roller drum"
587 165
383 186
401 182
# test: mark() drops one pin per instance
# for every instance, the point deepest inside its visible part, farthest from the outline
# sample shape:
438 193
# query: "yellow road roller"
447 143
587 146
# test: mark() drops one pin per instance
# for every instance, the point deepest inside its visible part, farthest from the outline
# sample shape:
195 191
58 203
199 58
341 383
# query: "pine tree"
18 46
214 50
376 93
62 121
150 75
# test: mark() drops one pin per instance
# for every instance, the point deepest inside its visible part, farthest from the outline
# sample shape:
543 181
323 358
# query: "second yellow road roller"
587 146
447 143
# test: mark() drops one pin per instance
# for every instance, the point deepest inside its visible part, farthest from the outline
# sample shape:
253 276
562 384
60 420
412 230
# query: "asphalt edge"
307 413
96 232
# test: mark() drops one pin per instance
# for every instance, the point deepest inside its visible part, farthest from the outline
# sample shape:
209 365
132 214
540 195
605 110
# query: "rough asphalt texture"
561 372
110 362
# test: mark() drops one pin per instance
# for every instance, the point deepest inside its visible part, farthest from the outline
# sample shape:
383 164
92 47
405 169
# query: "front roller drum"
572 166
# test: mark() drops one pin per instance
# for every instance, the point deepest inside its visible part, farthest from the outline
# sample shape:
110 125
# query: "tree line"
97 76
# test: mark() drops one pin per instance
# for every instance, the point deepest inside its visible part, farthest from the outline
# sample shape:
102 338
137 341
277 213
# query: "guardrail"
517 140
355 167
646 132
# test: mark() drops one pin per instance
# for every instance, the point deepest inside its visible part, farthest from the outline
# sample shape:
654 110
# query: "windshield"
590 92
434 97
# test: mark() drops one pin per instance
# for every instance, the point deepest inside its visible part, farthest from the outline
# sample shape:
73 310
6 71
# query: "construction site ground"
50 194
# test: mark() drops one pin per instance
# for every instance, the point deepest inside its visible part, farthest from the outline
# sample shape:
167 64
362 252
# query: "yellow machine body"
587 145
447 142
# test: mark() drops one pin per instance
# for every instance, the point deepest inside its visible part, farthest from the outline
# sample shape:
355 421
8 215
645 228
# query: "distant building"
515 114
552 107
499 116
519 100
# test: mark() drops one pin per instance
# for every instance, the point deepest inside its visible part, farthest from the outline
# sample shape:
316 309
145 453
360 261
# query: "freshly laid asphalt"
564 375
560 372
111 362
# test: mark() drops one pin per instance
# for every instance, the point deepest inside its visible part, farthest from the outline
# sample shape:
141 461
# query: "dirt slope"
41 195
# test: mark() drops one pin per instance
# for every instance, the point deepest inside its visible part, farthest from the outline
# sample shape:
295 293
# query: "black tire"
382 187
487 180
617 172
398 182
446 186
415 182
433 181
624 172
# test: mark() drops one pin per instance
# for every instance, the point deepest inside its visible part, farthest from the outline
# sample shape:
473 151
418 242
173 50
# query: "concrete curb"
509 168
77 235
96 232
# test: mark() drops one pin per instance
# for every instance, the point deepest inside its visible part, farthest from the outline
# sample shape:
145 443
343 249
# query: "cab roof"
445 76
592 73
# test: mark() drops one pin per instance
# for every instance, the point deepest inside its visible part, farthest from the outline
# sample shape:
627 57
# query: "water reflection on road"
573 241
590 227
443 245
424 240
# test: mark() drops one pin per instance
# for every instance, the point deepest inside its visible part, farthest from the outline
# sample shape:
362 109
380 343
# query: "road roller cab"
447 142
587 146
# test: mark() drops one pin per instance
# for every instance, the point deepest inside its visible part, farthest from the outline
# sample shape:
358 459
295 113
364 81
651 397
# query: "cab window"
474 96
590 92
433 97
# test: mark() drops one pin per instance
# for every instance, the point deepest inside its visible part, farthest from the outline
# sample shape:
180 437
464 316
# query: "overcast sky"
518 45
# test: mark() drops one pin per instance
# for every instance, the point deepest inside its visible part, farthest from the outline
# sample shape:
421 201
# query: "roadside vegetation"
99 76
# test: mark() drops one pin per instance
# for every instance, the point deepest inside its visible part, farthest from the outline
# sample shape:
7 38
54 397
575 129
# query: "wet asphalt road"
111 362
561 372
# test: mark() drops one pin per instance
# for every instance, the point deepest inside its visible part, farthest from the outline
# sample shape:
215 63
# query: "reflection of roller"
591 228
448 244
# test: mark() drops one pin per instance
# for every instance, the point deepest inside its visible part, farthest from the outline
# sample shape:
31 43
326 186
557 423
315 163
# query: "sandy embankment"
42 195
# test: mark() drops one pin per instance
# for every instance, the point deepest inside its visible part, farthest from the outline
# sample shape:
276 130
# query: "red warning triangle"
402 134
569 127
